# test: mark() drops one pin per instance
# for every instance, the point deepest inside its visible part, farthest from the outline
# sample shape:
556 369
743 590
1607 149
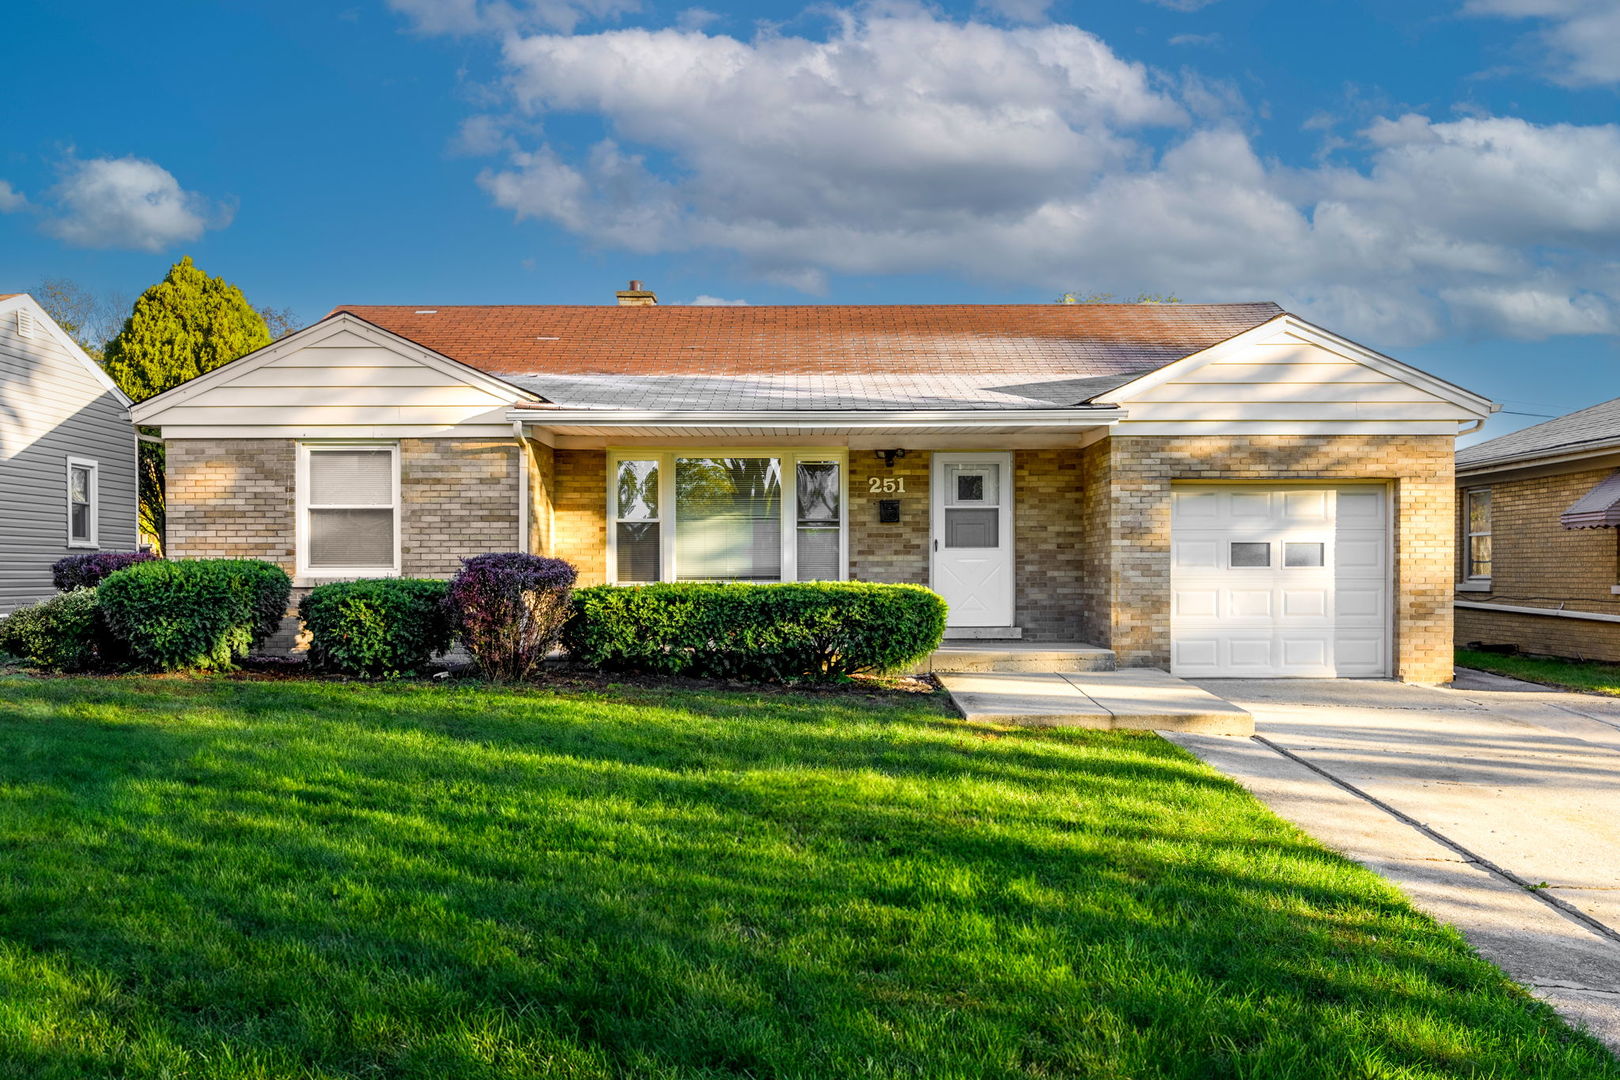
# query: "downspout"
523 485
1470 430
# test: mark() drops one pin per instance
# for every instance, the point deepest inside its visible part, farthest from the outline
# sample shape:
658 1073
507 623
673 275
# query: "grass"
1588 675
229 878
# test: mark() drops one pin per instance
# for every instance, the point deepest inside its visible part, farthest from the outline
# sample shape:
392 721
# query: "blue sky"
1441 181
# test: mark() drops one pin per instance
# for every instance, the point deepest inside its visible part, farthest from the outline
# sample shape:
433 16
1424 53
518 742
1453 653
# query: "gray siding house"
67 454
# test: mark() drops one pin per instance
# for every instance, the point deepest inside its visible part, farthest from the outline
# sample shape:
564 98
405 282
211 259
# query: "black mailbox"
889 511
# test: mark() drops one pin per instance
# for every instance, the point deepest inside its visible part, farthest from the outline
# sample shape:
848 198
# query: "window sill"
1476 585
308 580
83 545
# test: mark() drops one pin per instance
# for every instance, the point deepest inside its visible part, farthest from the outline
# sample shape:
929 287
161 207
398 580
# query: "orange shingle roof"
1073 339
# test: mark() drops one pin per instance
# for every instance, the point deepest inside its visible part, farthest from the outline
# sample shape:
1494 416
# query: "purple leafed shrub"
509 609
86 571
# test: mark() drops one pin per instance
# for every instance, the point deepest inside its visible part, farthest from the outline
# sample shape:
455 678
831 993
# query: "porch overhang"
860 429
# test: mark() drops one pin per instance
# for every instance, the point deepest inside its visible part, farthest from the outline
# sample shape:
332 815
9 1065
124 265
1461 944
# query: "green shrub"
63 633
377 627
194 613
817 631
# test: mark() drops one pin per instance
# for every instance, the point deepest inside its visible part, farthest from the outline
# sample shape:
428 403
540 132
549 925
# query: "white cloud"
128 202
1184 5
507 16
1196 39
696 18
908 143
1581 37
1026 11
705 300
10 198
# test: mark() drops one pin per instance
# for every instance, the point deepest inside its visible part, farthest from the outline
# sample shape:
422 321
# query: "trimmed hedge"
62 633
194 613
509 609
88 571
378 627
817 630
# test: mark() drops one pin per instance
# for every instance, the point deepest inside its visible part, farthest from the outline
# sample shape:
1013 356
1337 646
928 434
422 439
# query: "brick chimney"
636 296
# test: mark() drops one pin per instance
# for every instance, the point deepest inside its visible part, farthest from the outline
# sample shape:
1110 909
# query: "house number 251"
885 485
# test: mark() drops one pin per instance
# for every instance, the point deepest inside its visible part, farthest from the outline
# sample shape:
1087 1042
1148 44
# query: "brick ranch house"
1538 526
1217 489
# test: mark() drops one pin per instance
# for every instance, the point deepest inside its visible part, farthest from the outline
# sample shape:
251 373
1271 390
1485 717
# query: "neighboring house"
67 454
1538 523
1218 489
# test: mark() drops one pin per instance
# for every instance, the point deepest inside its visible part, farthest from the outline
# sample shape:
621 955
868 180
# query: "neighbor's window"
756 517
350 497
1477 507
81 502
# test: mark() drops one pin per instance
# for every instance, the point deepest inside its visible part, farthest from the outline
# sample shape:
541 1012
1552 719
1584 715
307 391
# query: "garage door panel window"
1246 553
1304 553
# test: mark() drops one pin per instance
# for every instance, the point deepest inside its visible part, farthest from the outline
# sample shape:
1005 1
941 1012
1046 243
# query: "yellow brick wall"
579 512
1136 528
1536 562
1542 635
891 554
230 499
458 497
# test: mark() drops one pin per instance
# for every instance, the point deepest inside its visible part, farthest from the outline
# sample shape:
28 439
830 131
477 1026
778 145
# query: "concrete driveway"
1494 804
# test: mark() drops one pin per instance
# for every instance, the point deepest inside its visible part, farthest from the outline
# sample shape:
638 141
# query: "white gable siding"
52 407
1285 384
341 385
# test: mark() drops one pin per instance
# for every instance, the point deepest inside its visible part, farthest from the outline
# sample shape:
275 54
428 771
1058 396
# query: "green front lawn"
1588 675
233 878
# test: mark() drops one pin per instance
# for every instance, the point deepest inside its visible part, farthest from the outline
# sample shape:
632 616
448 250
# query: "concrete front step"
1017 656
1133 699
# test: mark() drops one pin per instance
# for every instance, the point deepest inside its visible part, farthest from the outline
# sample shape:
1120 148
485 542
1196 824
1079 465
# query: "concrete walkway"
1135 698
1495 805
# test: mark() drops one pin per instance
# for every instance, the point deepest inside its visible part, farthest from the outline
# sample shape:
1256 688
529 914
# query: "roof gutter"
1089 417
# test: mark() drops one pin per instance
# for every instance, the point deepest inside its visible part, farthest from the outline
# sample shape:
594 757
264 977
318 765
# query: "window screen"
728 518
351 509
818 520
80 488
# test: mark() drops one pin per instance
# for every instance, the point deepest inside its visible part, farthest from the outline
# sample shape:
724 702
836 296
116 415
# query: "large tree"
187 324
184 326
88 318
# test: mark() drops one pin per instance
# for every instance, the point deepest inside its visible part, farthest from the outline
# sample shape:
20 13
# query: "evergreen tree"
185 325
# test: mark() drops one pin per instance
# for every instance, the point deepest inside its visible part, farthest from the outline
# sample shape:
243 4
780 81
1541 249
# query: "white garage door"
1279 581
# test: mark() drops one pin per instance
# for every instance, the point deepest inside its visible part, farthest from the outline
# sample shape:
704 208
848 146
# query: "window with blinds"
351 508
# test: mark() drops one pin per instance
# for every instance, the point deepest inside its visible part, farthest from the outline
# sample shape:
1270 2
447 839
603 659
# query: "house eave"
811 420
1571 454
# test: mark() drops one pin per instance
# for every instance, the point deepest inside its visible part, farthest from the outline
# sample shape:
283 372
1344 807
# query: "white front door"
1280 581
972 543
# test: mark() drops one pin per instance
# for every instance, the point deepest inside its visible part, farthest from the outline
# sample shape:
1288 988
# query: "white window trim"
304 573
94 467
790 457
1471 581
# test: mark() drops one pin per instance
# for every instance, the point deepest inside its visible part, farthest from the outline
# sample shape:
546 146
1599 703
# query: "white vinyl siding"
1290 383
342 385
348 510
728 514
52 407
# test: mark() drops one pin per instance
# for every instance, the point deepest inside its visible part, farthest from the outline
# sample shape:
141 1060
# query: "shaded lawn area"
232 878
1588 675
